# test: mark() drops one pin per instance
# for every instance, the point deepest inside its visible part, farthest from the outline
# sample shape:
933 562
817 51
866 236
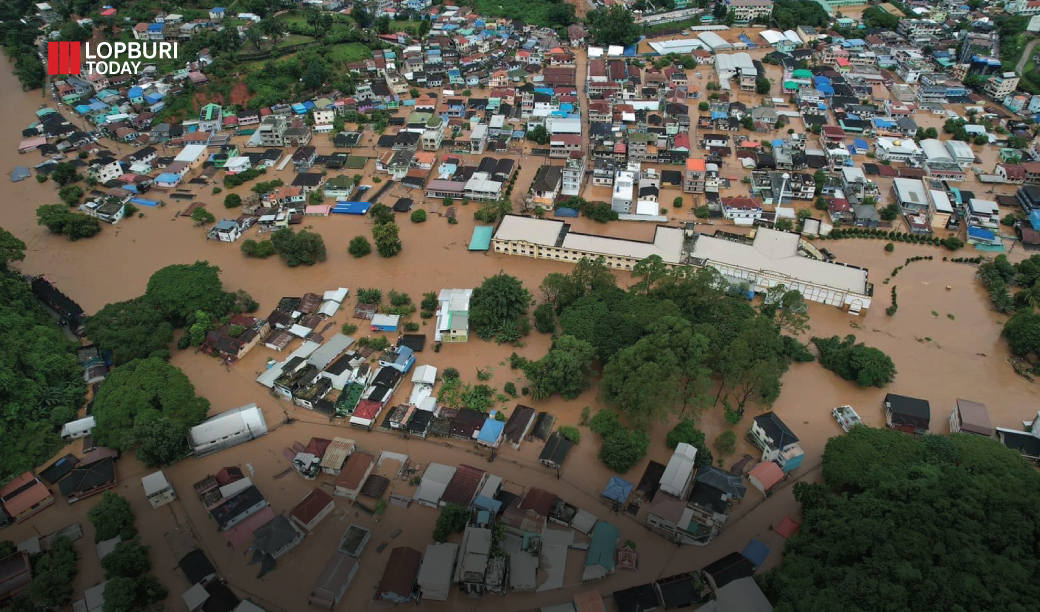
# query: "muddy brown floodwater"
955 352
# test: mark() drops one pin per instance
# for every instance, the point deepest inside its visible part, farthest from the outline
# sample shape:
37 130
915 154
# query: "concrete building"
227 429
747 10
573 175
158 489
771 258
1000 85
624 185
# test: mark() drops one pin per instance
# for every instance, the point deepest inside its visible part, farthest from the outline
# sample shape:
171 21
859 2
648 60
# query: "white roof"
386 319
714 41
679 469
300 330
195 597
329 308
337 295
733 62
305 349
491 486
228 423
322 357
595 52
985 207
678 45
615 50
437 565
434 482
235 487
910 190
426 374
154 483
647 207
960 150
793 36
853 174
528 229
777 252
95 597
905 146
941 201
428 404
190 153
772 36
271 374
78 426
934 150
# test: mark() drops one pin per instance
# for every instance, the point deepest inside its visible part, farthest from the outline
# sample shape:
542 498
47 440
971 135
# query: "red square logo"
63 57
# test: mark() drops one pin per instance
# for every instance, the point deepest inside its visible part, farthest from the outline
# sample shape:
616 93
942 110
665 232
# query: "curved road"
1026 54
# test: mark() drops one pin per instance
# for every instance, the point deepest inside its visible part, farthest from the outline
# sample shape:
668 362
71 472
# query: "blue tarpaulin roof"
1034 218
756 552
718 115
144 202
571 213
981 234
881 122
20 173
481 240
618 489
135 92
299 109
491 431
492 505
351 208
860 144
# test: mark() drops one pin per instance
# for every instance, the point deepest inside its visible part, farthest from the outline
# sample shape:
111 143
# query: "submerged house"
776 441
907 414
227 429
970 417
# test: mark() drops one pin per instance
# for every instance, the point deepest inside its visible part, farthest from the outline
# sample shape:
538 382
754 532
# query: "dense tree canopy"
181 290
936 524
867 366
301 248
136 393
41 380
133 329
11 248
497 304
565 369
686 432
60 220
53 575
790 14
112 516
613 26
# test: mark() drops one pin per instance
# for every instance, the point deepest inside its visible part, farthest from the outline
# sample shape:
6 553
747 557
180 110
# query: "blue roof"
481 240
492 505
152 98
756 552
825 89
860 143
168 177
778 143
602 546
135 92
981 234
491 431
299 109
83 109
144 202
351 208
308 105
618 489
882 122
821 79
719 115
217 9
155 27
1034 219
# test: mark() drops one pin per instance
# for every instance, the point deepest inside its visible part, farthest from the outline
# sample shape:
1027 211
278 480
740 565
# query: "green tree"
787 308
133 329
381 214
359 247
538 135
11 249
418 216
112 516
649 271
261 250
1022 332
135 392
129 559
784 225
726 443
388 244
686 432
181 290
159 439
564 369
703 106
453 519
120 594
867 366
613 26
232 200
71 194
64 173
677 202
53 574
623 449
498 302
570 433
201 216
762 85
60 220
301 248
545 318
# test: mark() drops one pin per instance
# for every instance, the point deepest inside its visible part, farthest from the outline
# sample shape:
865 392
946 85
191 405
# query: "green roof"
209 111
481 240
601 549
790 85
802 74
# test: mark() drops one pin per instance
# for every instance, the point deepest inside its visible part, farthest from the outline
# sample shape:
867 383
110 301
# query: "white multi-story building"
573 176
998 86
624 184
747 10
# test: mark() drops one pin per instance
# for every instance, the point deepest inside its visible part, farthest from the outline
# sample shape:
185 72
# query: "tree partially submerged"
497 306
867 366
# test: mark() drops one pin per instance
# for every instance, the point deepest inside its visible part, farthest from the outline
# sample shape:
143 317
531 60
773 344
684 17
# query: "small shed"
618 490
787 528
74 430
765 476
435 574
385 323
481 239
158 489
970 417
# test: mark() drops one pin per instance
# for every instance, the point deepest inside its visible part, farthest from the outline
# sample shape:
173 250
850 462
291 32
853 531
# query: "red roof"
367 409
23 493
566 139
354 470
768 473
539 500
311 506
317 446
787 527
839 205
243 532
400 572
741 202
463 485
833 131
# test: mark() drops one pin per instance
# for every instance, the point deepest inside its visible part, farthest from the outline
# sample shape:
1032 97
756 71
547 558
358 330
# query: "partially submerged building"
227 429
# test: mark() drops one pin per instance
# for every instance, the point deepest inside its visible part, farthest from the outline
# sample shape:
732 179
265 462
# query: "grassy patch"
675 25
350 52
293 39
